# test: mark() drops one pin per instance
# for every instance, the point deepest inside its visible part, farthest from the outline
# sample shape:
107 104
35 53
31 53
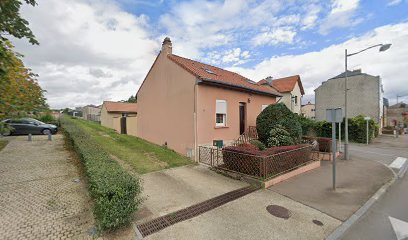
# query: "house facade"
291 89
308 110
183 104
120 116
397 113
92 113
365 96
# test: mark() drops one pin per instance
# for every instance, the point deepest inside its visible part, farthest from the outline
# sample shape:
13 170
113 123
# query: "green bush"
115 192
48 118
258 144
278 114
279 136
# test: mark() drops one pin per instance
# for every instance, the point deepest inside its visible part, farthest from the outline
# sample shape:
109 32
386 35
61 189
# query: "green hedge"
357 128
115 192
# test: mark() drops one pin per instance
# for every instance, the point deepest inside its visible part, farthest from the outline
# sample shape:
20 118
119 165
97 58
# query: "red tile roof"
286 84
120 107
215 75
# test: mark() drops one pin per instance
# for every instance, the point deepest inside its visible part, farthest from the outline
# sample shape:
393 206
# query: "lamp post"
367 132
383 47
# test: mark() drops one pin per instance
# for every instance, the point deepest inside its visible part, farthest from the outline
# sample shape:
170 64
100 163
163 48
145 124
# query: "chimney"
167 46
269 79
357 70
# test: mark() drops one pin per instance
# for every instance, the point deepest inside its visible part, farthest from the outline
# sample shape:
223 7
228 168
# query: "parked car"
29 125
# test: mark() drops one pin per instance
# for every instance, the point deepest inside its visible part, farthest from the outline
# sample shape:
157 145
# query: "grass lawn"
3 143
143 156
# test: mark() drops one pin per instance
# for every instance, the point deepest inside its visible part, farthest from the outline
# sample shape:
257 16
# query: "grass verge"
143 156
114 191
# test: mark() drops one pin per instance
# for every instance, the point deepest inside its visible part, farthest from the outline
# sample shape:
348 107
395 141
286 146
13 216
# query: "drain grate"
160 223
278 211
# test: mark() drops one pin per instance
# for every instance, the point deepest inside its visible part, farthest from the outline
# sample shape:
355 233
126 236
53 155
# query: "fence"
247 136
260 165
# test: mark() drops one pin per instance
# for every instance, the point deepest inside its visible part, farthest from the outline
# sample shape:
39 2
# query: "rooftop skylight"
209 71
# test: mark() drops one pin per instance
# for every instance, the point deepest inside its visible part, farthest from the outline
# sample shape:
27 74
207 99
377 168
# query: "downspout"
195 123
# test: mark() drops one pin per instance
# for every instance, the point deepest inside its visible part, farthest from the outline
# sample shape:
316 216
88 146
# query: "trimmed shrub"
258 144
247 146
278 136
114 191
277 114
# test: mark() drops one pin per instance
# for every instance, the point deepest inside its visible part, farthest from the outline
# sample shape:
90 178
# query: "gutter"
235 87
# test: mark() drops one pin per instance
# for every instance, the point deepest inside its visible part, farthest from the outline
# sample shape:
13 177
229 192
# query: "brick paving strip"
42 194
162 222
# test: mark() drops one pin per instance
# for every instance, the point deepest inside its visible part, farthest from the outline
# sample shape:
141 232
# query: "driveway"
247 218
244 218
42 195
173 189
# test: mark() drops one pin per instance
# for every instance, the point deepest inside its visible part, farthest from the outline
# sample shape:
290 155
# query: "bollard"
29 137
49 136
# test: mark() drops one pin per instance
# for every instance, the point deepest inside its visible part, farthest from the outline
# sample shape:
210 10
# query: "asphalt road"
393 205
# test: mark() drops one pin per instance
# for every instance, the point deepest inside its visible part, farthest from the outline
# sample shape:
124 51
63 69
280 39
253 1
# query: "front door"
241 118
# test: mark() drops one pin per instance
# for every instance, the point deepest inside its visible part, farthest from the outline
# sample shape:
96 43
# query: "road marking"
400 228
398 162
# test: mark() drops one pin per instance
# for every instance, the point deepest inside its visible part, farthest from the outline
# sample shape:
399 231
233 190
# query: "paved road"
384 149
39 195
393 206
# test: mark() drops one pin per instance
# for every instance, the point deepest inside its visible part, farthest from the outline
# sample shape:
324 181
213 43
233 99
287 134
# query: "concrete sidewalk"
357 181
173 189
247 218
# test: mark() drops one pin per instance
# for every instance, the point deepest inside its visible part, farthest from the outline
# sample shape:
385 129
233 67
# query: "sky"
95 50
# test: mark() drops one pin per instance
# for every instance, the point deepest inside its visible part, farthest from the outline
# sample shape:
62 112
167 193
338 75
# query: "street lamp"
383 47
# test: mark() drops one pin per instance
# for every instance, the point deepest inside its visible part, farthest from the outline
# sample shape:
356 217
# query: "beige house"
290 88
397 113
92 113
309 110
120 116
184 103
365 96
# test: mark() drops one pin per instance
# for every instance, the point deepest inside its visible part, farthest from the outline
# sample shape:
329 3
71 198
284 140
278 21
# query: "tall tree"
12 24
19 89
132 99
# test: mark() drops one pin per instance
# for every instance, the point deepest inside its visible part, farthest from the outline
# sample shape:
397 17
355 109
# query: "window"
264 106
313 109
221 113
296 100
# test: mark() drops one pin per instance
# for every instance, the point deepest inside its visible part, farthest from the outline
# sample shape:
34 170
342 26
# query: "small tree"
279 137
278 114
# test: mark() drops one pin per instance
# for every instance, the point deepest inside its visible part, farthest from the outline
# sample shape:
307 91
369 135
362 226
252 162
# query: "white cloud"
88 51
394 2
311 17
274 37
316 67
342 15
233 57
201 24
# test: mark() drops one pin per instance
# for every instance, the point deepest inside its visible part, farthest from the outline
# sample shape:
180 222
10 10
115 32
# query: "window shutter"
221 106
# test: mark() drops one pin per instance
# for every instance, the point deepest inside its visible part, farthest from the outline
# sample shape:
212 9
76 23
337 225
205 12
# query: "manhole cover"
317 222
278 211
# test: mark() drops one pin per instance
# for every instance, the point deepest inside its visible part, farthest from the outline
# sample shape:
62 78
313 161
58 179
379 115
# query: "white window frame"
221 111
